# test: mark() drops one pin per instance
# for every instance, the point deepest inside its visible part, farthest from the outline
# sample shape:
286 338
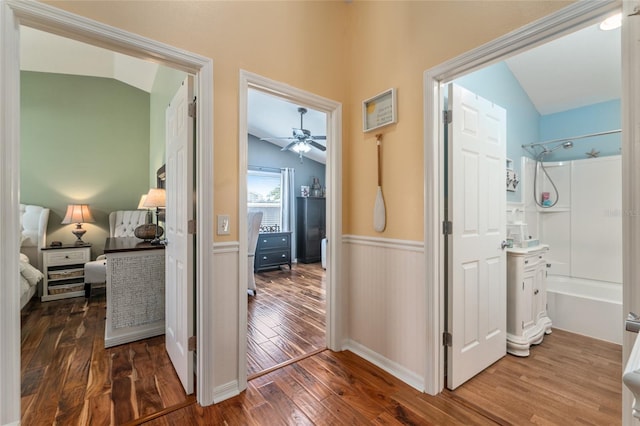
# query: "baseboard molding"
387 365
227 247
226 391
389 243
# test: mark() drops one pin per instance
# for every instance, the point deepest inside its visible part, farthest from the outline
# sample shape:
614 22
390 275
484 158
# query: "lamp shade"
156 197
77 213
141 205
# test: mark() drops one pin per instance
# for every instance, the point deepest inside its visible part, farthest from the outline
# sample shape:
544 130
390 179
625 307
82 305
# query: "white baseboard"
391 367
226 391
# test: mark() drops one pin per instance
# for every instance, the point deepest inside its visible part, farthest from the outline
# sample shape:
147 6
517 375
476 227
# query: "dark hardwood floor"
567 380
286 318
69 378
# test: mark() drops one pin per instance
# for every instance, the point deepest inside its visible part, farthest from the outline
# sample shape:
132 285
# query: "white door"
477 293
179 249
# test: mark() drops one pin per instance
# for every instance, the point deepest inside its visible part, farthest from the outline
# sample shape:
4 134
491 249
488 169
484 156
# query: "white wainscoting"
385 283
225 315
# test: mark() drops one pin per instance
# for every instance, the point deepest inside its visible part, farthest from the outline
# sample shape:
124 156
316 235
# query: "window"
263 193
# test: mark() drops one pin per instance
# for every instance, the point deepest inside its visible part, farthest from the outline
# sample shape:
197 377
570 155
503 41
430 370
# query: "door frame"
558 24
14 13
333 110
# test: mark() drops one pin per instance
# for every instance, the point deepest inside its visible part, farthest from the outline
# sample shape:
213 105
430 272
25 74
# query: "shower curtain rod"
590 135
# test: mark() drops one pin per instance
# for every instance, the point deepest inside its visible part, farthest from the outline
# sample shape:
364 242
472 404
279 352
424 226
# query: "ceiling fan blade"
277 139
319 138
316 145
289 146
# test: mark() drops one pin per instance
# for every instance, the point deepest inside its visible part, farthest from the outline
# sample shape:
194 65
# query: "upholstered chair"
122 223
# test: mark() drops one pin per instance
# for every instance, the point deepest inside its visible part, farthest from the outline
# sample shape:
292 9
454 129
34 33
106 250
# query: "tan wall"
343 51
392 44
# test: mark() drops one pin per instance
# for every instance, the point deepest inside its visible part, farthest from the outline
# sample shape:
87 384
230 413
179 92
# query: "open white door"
179 249
477 295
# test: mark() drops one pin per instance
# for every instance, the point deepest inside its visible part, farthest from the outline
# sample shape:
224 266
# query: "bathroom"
566 162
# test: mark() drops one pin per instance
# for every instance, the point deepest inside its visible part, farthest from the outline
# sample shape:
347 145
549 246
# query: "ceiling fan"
301 140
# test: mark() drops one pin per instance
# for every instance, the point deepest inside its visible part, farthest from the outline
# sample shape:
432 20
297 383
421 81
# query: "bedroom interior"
286 311
114 130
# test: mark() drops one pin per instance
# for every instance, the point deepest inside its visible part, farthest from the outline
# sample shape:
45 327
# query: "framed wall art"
379 110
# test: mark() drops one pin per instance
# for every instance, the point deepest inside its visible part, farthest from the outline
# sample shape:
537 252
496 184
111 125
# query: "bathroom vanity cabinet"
527 319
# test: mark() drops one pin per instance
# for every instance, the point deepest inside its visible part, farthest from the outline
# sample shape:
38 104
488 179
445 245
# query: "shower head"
565 145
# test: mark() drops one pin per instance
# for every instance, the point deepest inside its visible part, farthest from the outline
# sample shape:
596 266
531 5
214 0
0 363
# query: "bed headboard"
33 224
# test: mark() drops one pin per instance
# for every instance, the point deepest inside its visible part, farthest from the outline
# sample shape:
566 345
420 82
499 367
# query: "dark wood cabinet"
310 228
273 250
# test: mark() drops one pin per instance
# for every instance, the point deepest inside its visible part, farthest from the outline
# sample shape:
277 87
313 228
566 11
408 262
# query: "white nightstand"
63 269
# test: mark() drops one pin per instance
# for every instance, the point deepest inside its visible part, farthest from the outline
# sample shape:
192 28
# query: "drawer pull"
264 241
66 256
284 255
536 292
264 257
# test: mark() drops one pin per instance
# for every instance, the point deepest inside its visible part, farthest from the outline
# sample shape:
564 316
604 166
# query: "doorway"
286 194
434 207
332 111
55 20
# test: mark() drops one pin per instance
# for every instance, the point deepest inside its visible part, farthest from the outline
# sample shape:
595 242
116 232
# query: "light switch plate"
223 224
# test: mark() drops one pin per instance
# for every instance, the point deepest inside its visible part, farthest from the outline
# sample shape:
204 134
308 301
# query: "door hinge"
447 116
192 109
191 227
447 227
447 339
192 343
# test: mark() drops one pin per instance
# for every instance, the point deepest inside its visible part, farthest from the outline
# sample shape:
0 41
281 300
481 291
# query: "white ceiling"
45 52
576 70
270 116
579 69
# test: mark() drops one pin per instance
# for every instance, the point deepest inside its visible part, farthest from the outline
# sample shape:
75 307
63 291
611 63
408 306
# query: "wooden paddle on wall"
379 212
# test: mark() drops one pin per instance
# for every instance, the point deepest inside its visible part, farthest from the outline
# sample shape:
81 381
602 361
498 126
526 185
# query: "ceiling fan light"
301 147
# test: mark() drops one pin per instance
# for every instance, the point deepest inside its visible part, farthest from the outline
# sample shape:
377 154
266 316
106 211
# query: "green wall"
165 85
83 140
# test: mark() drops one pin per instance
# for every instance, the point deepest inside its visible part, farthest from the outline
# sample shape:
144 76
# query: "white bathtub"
590 308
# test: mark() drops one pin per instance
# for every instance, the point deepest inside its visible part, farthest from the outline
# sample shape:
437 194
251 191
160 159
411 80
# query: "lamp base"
79 232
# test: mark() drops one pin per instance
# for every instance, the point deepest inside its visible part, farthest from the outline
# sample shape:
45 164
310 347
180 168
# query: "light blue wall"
497 84
265 154
594 118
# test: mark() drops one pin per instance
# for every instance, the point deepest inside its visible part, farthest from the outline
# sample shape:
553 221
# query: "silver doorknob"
504 245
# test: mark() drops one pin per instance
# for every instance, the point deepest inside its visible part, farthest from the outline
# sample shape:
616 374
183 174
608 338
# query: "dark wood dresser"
310 228
273 250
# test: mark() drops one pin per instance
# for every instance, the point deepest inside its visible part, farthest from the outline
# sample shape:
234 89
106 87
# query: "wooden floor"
69 378
286 318
567 380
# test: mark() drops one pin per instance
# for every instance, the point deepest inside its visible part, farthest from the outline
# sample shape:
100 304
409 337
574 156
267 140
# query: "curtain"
288 198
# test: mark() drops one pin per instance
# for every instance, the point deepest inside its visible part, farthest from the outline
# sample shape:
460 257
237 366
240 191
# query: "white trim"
562 22
386 243
41 16
333 109
226 391
386 364
226 247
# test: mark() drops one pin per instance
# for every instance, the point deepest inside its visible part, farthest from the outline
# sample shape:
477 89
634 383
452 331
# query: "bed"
33 230
29 279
